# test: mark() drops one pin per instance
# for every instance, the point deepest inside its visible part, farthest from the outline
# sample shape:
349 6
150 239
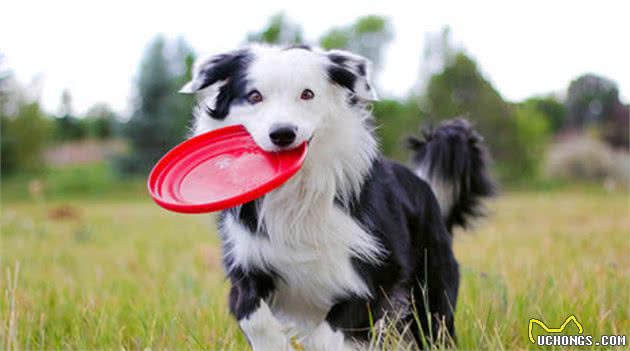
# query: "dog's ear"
215 69
352 72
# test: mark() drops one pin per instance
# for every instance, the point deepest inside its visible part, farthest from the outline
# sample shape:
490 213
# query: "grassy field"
123 274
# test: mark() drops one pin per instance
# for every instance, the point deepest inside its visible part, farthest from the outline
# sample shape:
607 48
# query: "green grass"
124 274
96 181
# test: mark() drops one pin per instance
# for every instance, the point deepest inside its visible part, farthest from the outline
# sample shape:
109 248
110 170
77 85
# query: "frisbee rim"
155 182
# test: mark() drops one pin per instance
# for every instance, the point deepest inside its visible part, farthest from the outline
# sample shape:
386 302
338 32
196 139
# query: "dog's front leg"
324 338
264 331
248 304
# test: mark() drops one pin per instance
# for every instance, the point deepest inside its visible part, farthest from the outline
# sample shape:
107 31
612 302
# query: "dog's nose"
282 134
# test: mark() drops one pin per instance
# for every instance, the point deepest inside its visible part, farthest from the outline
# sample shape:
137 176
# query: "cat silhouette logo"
571 318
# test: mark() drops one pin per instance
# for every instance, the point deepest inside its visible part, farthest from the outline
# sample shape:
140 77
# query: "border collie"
352 238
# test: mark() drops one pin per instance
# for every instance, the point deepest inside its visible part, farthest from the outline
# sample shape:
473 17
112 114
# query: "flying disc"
220 169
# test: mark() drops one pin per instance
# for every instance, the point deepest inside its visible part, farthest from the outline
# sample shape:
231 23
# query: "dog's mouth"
293 146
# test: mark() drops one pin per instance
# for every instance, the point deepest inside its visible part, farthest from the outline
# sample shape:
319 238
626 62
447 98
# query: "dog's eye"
307 94
254 97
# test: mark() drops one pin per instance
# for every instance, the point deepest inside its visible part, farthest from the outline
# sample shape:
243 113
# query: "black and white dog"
352 238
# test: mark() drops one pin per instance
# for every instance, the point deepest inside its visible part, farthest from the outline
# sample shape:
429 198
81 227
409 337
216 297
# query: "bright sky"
93 48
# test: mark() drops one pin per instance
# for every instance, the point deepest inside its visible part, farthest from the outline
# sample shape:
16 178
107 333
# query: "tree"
24 130
368 36
553 110
100 121
161 116
591 99
279 30
67 125
396 120
69 128
531 138
461 90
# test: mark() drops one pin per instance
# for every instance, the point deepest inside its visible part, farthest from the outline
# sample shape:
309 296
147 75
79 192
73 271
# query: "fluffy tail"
454 161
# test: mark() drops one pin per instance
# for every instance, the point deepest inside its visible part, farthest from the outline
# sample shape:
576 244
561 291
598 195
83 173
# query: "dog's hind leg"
436 279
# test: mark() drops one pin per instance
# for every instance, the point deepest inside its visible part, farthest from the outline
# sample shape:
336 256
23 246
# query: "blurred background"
90 100
88 103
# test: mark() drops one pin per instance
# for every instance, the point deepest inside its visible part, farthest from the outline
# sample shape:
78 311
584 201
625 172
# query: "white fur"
323 338
310 240
361 88
296 70
264 331
445 192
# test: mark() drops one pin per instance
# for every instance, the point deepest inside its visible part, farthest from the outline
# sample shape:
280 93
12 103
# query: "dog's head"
282 95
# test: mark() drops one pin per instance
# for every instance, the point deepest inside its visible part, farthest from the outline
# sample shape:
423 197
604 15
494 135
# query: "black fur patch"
301 46
249 288
247 291
362 70
246 215
417 269
401 212
338 59
454 153
342 77
232 68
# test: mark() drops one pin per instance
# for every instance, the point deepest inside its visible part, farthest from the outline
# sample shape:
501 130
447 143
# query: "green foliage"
396 120
100 128
25 134
532 137
553 110
370 24
162 116
97 180
24 128
69 180
69 128
460 89
93 181
336 38
101 121
368 36
279 30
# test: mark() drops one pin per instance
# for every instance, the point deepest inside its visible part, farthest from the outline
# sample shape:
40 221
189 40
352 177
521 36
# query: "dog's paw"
323 338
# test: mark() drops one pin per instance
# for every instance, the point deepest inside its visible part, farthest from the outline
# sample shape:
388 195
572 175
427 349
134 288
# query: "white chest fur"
313 271
310 242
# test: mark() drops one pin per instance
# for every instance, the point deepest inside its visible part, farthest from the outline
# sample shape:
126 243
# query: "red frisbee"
218 170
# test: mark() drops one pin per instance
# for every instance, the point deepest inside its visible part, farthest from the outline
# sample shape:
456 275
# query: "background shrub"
583 157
